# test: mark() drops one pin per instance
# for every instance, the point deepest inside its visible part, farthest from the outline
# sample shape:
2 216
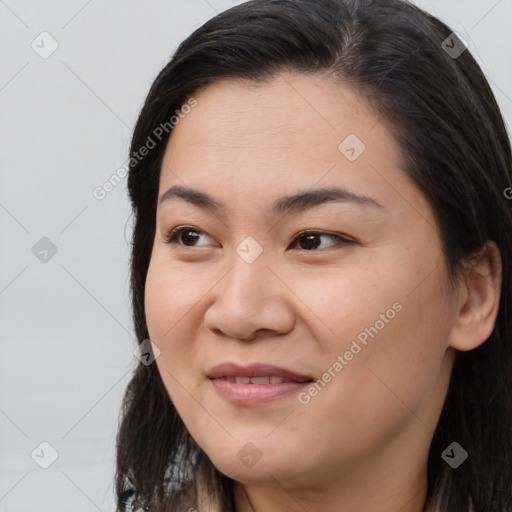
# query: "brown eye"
184 235
313 239
188 236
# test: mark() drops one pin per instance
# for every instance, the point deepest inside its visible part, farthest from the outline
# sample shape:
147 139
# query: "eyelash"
176 232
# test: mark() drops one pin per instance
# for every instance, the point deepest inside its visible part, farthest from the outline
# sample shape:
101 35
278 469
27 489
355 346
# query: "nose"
250 301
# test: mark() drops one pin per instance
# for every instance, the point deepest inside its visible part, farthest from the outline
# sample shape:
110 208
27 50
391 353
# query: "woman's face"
360 306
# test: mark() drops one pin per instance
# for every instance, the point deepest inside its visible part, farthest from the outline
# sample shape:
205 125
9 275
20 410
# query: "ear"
478 298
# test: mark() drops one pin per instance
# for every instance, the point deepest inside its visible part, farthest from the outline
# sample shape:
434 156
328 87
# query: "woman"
321 260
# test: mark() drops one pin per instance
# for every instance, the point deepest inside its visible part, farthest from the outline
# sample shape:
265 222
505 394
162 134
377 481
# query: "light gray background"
65 125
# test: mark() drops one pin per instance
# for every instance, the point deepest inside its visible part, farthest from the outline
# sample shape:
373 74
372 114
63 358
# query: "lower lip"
254 394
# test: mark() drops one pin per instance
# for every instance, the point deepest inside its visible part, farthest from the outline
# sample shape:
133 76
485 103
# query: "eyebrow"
289 204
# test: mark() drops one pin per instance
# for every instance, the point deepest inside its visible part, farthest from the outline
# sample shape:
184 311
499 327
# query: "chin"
260 473
238 466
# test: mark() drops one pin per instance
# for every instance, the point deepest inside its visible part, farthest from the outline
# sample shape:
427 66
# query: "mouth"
255 384
256 374
266 379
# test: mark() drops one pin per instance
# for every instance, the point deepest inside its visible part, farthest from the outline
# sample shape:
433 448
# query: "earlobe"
479 303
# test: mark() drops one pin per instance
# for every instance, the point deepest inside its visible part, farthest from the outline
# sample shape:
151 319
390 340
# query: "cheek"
399 366
394 335
340 304
171 298
173 314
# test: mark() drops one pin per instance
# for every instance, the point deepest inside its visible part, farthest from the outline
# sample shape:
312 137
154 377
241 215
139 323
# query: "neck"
385 495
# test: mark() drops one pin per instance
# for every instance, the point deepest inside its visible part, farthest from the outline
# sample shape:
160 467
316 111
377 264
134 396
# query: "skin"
361 444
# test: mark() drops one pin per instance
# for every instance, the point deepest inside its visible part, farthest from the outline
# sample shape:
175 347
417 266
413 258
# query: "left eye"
307 239
312 239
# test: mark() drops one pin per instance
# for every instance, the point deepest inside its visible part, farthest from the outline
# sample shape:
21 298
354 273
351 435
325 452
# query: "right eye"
186 234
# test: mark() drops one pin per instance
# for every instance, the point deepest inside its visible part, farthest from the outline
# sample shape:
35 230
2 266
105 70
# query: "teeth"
260 380
256 380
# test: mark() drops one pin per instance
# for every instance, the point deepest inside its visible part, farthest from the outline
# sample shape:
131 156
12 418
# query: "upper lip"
255 370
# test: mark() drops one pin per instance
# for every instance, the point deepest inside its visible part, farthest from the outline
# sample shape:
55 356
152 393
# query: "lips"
255 384
256 374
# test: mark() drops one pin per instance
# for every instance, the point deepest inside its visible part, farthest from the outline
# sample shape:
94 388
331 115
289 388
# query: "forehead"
282 112
291 131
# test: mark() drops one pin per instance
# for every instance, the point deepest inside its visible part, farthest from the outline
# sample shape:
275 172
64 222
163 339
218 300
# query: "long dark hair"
455 147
